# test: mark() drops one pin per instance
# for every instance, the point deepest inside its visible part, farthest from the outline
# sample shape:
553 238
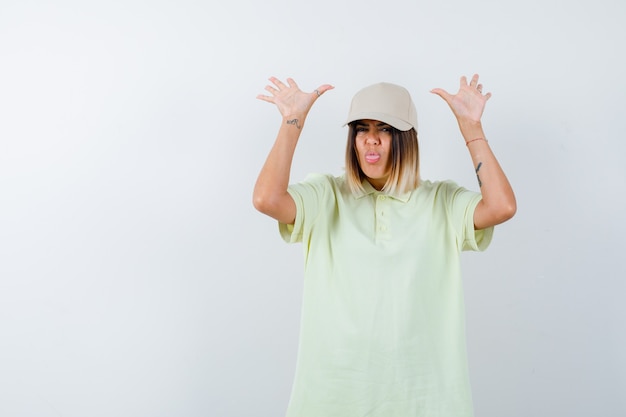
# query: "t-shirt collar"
369 189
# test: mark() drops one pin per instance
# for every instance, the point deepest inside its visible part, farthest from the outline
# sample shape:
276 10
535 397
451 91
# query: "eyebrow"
360 123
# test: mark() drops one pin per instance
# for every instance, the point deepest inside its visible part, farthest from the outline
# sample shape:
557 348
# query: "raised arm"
270 192
498 203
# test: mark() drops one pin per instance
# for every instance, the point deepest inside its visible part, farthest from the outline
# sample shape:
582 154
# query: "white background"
136 279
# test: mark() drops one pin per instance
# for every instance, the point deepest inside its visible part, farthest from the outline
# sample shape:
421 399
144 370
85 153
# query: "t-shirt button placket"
381 229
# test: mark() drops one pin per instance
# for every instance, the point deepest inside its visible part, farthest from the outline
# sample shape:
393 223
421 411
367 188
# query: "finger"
479 87
322 89
463 81
292 83
474 80
441 93
487 96
265 98
271 89
277 83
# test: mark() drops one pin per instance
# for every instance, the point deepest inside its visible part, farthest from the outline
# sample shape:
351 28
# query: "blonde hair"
404 174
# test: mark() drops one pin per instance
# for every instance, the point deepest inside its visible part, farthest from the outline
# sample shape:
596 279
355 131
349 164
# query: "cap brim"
393 121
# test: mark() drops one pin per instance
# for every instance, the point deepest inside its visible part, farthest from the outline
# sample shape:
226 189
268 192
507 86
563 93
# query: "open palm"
469 102
289 99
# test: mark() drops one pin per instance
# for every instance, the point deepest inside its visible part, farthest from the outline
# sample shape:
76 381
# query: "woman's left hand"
469 102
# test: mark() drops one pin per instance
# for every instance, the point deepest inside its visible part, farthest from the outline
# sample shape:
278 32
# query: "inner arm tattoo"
480 183
294 122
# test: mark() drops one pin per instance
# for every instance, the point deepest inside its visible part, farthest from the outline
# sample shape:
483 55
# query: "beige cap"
389 103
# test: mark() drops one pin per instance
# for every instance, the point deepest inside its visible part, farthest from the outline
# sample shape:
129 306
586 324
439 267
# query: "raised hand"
289 99
469 102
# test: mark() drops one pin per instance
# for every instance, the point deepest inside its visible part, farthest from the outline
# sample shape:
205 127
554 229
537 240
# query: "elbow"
264 203
278 206
260 203
509 211
492 215
506 211
506 207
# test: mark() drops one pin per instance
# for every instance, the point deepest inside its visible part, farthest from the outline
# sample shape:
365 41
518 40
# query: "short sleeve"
292 233
461 204
308 196
476 240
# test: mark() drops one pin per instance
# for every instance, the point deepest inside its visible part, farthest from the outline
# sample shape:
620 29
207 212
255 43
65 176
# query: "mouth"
372 157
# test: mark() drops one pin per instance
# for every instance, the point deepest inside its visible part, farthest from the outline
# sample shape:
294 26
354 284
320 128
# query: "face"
373 146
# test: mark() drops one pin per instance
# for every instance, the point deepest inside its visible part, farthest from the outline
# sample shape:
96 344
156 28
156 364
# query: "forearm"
270 191
498 200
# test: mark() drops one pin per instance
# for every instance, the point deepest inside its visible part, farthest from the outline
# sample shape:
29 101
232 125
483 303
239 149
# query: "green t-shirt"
383 323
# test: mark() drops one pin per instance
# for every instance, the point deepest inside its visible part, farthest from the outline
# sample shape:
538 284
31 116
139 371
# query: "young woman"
383 325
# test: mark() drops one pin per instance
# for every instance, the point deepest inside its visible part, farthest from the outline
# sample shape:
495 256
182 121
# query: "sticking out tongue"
372 158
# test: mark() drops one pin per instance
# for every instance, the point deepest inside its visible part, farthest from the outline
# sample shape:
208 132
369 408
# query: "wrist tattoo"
480 183
294 122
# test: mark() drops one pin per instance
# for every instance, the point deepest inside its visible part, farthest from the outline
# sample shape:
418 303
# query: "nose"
372 137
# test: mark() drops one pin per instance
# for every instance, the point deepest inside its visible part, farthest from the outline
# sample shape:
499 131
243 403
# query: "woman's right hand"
290 100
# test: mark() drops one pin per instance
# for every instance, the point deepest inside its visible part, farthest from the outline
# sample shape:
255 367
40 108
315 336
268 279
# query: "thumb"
322 89
441 93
